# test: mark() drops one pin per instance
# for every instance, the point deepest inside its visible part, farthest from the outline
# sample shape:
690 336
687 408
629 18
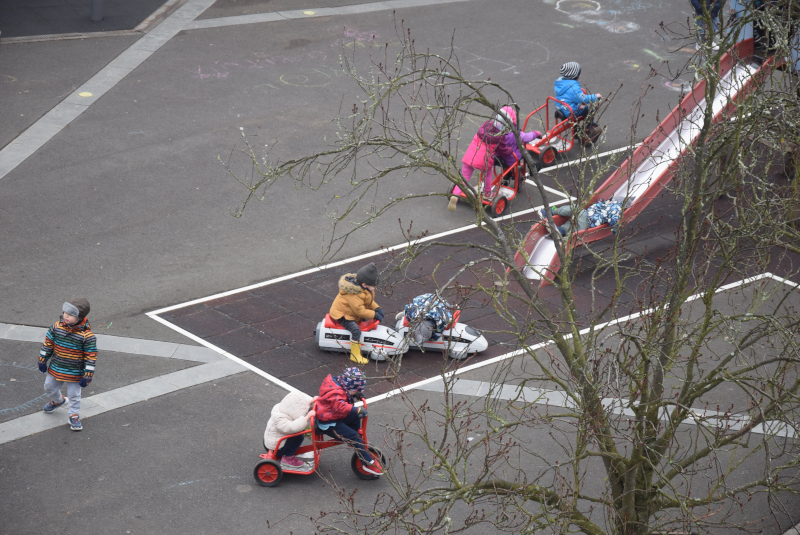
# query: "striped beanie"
571 70
352 379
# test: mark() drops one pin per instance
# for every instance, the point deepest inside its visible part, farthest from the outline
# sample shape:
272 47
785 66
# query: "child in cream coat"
291 415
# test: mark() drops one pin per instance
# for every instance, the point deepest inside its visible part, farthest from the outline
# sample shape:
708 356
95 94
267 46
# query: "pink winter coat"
480 152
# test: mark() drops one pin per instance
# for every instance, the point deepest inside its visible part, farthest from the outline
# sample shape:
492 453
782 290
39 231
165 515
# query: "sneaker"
75 423
50 407
373 468
291 462
451 206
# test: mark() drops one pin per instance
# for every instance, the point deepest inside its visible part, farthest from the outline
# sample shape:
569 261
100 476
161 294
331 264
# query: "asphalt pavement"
128 205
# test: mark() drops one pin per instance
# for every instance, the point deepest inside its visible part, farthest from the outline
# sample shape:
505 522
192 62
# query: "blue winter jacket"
570 91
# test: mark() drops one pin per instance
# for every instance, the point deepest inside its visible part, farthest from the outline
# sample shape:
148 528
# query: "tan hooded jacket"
353 302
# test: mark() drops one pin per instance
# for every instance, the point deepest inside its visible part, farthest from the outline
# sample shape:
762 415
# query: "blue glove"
43 367
85 382
379 314
362 412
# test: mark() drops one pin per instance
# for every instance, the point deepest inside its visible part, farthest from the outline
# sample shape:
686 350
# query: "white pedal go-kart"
378 340
458 341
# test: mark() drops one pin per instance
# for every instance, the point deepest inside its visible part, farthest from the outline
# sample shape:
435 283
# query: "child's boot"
355 354
451 206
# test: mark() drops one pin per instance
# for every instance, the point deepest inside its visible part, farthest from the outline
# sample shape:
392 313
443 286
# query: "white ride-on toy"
458 341
378 340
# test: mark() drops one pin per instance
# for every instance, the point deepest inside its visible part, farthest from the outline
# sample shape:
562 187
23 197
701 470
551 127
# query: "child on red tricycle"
491 148
335 416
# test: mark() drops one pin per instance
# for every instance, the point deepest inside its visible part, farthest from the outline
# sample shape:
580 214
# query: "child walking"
338 418
290 416
73 348
355 303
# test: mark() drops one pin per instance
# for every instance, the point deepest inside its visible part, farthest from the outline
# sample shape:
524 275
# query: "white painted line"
156 313
536 347
341 262
258 18
224 353
793 531
569 163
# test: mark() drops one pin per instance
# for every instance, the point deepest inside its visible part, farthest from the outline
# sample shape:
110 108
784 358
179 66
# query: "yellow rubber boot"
355 354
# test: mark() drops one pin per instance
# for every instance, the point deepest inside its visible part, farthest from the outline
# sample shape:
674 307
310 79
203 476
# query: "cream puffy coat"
288 417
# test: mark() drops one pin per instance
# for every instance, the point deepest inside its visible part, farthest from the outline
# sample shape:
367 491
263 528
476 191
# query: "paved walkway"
183 18
43 19
215 366
557 399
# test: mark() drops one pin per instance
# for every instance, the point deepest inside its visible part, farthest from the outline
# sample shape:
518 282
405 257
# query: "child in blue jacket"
569 91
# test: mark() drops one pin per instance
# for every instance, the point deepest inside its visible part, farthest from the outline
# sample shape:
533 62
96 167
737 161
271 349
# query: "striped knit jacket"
74 351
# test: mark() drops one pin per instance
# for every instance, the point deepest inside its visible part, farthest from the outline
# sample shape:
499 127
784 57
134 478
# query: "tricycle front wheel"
358 466
268 473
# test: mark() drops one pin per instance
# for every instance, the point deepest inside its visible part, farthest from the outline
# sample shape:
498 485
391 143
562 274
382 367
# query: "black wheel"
358 466
499 206
451 189
268 473
547 156
319 334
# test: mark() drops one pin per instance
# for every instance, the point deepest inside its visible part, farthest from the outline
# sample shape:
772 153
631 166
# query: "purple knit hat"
352 379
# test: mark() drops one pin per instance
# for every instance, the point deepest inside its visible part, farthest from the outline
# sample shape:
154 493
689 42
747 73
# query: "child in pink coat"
488 142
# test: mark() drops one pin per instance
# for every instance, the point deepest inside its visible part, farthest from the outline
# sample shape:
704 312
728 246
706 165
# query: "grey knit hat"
368 275
571 70
78 307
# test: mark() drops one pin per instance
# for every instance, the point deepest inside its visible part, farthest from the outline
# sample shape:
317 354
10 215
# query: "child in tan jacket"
355 303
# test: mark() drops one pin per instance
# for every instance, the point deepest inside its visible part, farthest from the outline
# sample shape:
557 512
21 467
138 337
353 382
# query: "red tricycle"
505 186
269 471
561 138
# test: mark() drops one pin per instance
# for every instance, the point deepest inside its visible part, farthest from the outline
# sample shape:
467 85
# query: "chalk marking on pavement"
40 132
276 16
555 398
